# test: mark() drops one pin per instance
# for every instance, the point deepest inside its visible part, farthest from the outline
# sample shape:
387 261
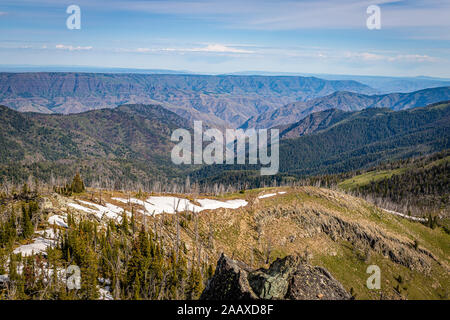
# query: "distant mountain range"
393 84
220 101
223 101
347 101
382 84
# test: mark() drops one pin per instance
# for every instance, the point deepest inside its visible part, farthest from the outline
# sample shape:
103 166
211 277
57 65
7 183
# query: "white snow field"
158 205
109 210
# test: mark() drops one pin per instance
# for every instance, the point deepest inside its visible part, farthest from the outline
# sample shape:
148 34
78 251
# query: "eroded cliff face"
288 278
368 238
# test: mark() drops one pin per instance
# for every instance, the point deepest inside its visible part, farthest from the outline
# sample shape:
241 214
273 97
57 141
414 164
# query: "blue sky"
220 36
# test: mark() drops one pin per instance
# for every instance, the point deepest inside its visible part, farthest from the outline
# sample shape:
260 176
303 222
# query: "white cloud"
368 56
329 54
413 58
217 48
211 48
72 48
2 13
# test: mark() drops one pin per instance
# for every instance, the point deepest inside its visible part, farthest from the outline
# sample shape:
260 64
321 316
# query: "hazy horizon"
106 69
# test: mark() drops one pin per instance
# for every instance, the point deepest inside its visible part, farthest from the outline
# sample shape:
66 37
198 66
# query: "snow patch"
105 294
406 216
81 208
48 233
267 195
38 246
208 204
109 210
4 278
271 195
58 220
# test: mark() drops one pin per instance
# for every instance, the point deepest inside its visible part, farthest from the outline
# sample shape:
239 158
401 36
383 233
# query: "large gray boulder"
285 279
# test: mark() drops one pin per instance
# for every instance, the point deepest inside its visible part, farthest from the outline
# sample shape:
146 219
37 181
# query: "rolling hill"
312 123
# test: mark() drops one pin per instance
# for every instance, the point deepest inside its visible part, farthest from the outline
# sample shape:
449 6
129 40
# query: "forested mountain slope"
343 141
128 141
417 185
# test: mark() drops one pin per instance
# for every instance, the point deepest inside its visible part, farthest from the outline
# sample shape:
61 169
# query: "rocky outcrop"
230 282
310 283
288 278
273 283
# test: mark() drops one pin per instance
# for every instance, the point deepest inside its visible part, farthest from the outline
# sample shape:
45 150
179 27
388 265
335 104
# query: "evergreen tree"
194 284
25 189
27 225
77 185
125 225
